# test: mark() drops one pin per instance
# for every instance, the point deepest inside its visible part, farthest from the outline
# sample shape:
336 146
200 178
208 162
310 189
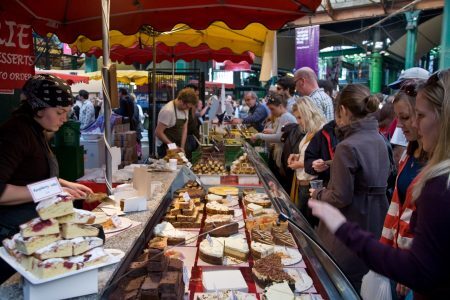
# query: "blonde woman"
424 267
311 120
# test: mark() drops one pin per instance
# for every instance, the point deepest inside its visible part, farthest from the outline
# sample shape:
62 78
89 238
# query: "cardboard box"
119 128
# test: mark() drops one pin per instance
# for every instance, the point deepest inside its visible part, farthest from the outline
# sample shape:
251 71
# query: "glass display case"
333 281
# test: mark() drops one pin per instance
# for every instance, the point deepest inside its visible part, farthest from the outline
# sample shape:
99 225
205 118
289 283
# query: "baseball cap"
411 73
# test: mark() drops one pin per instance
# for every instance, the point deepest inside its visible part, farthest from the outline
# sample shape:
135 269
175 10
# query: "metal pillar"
445 38
412 18
376 66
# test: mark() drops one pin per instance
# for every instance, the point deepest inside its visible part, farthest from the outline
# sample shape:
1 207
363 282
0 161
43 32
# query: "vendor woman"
25 156
173 121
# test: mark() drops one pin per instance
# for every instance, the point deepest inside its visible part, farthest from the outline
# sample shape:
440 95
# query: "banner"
16 53
307 47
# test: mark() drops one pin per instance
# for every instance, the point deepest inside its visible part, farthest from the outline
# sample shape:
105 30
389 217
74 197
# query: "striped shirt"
324 103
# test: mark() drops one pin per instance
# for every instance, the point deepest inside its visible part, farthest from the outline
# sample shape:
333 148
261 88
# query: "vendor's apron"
173 133
11 216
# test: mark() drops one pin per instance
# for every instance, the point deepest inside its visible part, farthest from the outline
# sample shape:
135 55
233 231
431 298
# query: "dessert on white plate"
79 216
29 245
70 231
55 207
37 226
61 248
83 244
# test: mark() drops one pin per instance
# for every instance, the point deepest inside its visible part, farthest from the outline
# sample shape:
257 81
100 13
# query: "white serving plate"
302 280
294 255
124 225
115 256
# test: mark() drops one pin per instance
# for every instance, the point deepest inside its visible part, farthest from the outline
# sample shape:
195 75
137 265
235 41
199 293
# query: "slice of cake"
214 197
83 244
25 260
61 248
236 247
215 208
284 239
269 269
261 236
278 291
158 242
79 216
52 267
258 198
91 258
224 190
254 209
260 250
37 226
149 288
212 253
217 221
70 231
174 236
55 207
29 245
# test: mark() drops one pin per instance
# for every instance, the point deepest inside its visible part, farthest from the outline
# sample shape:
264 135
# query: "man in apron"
172 123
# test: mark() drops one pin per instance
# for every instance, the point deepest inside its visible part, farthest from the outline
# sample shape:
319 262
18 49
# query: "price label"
198 181
45 189
116 221
185 275
210 241
172 146
188 164
186 197
229 198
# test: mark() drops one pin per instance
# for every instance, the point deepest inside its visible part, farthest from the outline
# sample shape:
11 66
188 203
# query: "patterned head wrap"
45 90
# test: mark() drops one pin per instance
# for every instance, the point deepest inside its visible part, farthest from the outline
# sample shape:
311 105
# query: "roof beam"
363 12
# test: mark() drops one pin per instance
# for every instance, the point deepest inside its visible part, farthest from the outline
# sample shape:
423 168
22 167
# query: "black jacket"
319 147
292 135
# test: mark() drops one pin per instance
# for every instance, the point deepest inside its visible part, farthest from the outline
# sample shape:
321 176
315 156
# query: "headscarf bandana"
45 90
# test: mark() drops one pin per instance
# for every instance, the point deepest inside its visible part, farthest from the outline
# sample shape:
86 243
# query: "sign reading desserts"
45 189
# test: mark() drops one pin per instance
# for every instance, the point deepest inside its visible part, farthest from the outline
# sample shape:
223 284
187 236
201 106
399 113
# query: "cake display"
254 209
55 207
225 295
70 231
225 224
79 216
209 167
242 166
37 227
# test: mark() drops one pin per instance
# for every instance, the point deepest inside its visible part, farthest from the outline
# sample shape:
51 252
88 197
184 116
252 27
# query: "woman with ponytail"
359 174
424 267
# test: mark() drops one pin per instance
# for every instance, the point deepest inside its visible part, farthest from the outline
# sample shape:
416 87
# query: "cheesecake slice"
236 247
25 260
55 207
61 248
230 227
260 250
79 216
70 231
83 244
212 253
29 245
255 209
37 227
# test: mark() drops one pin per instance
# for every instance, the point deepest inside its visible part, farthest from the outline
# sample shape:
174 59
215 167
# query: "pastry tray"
114 257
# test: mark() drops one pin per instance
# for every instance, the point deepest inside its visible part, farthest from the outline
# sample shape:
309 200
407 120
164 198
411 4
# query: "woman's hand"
295 164
329 215
76 190
268 130
319 166
293 157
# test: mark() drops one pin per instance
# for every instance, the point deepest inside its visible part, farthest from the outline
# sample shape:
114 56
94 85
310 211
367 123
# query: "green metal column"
90 64
445 38
376 65
411 38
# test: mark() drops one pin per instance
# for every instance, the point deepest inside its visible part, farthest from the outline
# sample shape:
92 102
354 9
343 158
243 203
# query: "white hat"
411 73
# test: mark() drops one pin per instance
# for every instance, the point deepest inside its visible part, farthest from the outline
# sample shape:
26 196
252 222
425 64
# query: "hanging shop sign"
16 53
307 47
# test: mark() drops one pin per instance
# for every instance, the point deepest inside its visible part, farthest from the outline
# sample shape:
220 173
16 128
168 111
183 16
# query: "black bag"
291 137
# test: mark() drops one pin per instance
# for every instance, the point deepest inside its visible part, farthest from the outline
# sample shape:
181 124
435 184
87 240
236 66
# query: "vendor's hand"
329 215
236 121
268 130
77 190
319 166
402 290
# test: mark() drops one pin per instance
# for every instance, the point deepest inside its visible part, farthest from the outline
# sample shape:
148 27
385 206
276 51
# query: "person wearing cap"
25 155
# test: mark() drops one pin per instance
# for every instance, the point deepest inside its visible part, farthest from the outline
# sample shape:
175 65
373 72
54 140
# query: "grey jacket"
357 187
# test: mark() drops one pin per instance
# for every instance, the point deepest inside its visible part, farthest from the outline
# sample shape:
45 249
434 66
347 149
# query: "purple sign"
307 47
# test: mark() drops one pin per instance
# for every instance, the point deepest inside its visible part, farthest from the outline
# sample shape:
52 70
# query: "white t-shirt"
166 116
398 138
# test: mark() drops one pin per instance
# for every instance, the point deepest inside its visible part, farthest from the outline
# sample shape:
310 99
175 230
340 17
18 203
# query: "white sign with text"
45 189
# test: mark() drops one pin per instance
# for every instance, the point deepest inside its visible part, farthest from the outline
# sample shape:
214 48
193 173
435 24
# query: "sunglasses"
409 88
